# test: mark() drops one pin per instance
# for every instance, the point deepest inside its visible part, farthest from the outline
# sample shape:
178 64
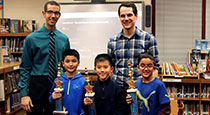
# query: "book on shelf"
2 93
15 26
5 54
189 67
5 25
28 25
202 65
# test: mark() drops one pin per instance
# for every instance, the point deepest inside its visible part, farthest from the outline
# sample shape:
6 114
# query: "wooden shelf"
181 76
205 99
202 52
16 52
12 91
15 111
8 67
14 34
1 70
187 99
190 81
205 81
173 80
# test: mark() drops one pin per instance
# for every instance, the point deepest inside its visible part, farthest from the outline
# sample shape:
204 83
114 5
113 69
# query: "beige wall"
31 9
146 1
25 9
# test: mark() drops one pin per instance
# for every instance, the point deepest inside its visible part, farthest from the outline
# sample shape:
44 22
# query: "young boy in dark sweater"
108 95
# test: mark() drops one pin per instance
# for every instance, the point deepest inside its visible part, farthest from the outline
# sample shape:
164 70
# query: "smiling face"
127 18
103 69
51 15
70 63
146 68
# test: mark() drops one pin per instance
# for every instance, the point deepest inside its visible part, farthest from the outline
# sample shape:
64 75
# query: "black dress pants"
39 92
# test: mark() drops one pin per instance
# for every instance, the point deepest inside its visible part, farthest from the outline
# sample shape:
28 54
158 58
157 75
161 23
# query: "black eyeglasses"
144 66
50 12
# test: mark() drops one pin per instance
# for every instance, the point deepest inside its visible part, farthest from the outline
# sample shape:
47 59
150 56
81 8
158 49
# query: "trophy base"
131 90
60 112
58 89
90 95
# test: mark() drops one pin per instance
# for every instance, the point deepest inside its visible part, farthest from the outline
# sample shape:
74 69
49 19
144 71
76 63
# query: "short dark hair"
146 55
128 4
103 57
70 52
51 3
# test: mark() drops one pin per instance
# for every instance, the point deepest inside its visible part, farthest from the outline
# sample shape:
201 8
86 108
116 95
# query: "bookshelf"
14 34
15 41
9 73
193 89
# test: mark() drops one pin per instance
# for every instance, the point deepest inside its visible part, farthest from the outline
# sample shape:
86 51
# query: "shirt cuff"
24 92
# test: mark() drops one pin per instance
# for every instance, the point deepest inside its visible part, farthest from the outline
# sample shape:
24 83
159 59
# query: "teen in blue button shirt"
35 61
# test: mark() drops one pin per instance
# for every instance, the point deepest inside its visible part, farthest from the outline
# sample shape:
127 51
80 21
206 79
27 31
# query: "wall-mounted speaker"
148 16
98 1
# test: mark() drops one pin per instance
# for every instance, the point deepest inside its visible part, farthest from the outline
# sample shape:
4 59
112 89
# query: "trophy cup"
132 91
59 105
90 94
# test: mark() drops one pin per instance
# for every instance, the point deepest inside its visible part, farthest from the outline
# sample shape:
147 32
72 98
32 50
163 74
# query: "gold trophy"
59 102
132 91
90 94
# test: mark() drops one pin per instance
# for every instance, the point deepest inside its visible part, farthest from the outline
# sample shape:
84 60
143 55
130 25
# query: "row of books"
188 90
191 109
183 90
8 25
13 102
178 69
14 58
205 109
11 82
205 91
15 44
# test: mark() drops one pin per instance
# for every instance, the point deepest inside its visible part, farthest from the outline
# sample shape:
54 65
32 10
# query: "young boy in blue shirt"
152 93
73 84
109 98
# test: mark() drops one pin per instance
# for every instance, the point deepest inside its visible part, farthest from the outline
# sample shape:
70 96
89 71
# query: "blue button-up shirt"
123 49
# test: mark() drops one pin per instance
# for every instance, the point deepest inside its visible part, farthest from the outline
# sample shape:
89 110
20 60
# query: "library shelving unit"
15 41
9 73
193 90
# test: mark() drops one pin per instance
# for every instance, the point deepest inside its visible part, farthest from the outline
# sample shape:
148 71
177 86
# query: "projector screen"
89 27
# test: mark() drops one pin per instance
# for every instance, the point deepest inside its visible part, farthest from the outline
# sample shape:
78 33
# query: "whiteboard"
89 27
